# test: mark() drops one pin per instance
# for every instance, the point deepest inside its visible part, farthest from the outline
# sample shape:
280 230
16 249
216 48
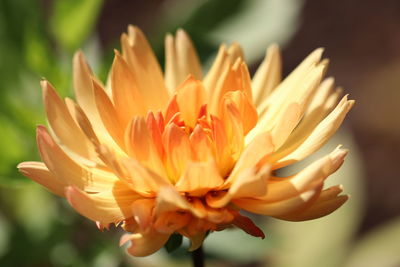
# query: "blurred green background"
362 39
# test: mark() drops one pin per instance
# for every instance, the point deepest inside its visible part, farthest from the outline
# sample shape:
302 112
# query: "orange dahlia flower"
182 153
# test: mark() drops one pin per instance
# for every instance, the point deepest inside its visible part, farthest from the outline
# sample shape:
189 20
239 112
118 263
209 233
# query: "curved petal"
168 199
250 183
279 208
181 60
318 137
224 60
145 69
328 201
39 173
67 170
64 126
106 207
190 98
139 144
142 211
267 76
199 178
177 149
247 225
108 115
279 189
127 98
255 152
169 222
144 244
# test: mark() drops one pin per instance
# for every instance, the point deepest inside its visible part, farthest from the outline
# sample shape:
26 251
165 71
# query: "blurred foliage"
39 229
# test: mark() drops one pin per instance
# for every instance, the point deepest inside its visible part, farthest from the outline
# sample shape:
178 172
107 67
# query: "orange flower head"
182 153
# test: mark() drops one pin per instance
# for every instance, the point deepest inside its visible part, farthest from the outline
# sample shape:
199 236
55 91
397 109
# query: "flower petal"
144 244
145 69
222 63
199 178
279 208
67 170
328 201
108 115
318 137
168 199
139 145
177 149
169 222
63 125
255 152
203 144
142 211
249 184
39 173
181 60
190 98
247 225
106 207
126 95
267 76
281 188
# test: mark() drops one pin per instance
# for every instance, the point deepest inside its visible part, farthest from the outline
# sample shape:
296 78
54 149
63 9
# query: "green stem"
198 257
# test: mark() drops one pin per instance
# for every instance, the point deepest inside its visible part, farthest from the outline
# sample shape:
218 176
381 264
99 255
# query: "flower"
182 153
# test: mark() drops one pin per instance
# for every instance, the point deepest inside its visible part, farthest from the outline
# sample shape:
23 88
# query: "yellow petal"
221 146
299 94
281 188
279 208
142 211
39 173
181 60
233 125
109 115
199 178
285 125
267 76
246 109
200 140
63 125
142 179
321 105
145 69
144 244
249 184
83 84
126 95
106 207
255 152
190 98
139 145
169 222
67 170
327 202
168 199
235 78
177 149
223 62
319 136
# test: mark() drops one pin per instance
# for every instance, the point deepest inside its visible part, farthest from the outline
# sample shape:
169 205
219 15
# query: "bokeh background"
362 39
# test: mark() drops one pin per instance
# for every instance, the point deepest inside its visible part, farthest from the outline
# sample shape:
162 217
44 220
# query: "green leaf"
173 243
73 21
